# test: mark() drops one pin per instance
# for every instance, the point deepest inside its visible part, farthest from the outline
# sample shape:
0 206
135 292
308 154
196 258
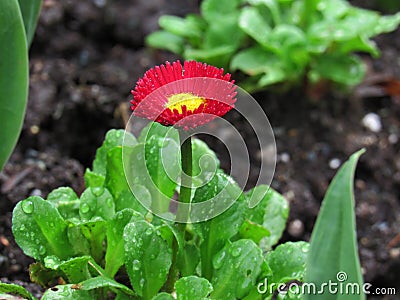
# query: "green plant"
277 41
14 72
90 242
216 242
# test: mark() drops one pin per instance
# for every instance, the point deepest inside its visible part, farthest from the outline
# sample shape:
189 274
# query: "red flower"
185 96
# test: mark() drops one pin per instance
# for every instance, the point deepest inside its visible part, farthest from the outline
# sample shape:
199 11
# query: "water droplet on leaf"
236 251
305 248
219 259
142 282
136 265
27 206
85 208
42 250
97 191
109 202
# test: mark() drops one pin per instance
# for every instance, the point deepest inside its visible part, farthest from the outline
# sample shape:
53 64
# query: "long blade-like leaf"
30 12
13 76
333 254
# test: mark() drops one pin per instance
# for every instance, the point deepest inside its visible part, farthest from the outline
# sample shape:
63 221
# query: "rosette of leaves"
278 41
104 244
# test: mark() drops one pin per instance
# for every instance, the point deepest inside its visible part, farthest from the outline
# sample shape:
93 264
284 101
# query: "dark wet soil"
87 55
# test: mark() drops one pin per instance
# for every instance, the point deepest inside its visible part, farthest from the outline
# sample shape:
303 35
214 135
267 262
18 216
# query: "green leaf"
117 183
253 24
115 253
93 179
14 74
253 231
163 296
14 289
387 24
275 74
192 288
205 162
80 245
75 269
40 230
66 201
104 282
179 26
114 138
147 258
348 70
96 203
165 40
287 262
66 292
224 31
238 263
272 213
213 10
218 56
333 246
334 10
30 10
162 157
188 259
256 61
358 44
95 232
273 8
217 231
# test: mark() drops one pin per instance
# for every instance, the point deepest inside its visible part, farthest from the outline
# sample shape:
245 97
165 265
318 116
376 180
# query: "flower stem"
186 179
182 215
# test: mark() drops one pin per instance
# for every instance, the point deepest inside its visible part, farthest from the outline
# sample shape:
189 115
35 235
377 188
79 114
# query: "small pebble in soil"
296 228
395 253
334 163
284 157
36 192
34 129
393 138
372 121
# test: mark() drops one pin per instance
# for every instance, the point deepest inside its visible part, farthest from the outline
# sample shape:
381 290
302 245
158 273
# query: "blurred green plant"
277 41
17 22
90 242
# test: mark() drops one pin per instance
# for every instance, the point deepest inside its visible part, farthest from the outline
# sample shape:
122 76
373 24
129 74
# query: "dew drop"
305 248
27 206
219 259
148 231
85 208
42 250
22 227
136 265
109 202
97 191
236 251
142 282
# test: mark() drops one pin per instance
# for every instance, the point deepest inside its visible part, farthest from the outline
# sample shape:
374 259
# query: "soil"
87 55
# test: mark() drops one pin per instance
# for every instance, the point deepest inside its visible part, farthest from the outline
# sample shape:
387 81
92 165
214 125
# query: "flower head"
186 96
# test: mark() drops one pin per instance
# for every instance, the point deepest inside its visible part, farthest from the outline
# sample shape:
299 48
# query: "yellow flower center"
189 100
